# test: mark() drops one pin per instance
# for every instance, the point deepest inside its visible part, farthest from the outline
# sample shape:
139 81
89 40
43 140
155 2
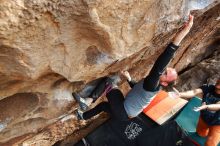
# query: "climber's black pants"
114 106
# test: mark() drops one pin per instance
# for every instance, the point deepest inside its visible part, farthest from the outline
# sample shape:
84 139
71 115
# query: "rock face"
71 37
48 49
204 72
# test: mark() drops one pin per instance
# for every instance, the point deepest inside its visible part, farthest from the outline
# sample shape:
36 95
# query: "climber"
143 92
209 121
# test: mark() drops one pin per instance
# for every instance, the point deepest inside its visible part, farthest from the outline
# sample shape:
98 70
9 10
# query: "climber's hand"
200 108
126 75
184 31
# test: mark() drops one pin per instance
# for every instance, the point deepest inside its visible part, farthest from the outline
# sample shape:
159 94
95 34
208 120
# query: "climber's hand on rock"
184 31
126 75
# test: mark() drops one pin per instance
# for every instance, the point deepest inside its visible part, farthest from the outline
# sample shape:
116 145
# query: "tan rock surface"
58 36
50 48
204 72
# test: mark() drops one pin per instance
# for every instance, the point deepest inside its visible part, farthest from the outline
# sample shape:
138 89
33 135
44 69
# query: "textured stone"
45 36
205 72
50 48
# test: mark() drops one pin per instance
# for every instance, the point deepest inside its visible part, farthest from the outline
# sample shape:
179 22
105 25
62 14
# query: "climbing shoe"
83 102
79 114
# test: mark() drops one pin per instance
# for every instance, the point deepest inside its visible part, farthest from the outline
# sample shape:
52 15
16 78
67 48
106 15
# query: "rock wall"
205 72
48 49
71 37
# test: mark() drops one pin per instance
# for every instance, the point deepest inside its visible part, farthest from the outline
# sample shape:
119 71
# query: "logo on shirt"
133 130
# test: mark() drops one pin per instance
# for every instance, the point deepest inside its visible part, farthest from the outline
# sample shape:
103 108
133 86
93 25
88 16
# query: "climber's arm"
152 80
191 93
210 107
